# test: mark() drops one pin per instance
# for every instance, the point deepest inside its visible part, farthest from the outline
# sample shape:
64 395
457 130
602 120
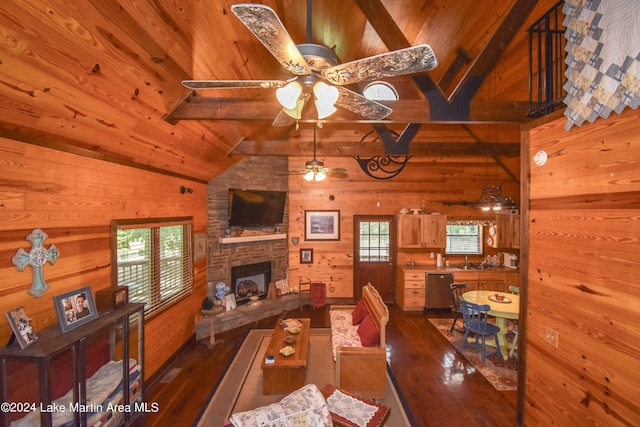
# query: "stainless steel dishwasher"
437 292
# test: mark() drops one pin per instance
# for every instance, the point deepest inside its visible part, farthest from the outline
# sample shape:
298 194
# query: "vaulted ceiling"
102 78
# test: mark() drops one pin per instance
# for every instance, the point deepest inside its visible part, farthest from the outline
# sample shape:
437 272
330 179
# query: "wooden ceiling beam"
404 111
365 149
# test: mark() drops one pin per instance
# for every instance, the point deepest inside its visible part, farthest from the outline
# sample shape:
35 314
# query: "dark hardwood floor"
430 372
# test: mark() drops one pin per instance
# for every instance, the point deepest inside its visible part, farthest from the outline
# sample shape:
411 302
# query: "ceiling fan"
315 171
315 69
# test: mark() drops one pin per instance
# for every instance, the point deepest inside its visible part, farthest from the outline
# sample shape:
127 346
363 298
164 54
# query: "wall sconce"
184 189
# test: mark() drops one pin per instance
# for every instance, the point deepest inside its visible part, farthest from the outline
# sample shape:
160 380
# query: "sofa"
358 344
310 406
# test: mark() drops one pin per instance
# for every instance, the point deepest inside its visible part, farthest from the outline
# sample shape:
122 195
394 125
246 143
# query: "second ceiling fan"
315 69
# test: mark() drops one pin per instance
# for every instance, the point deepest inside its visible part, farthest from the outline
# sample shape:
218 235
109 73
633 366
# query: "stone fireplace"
250 280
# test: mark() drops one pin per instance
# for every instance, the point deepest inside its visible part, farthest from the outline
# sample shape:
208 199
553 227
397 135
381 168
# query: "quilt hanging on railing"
603 58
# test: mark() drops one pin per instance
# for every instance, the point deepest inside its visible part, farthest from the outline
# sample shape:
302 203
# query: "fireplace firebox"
250 280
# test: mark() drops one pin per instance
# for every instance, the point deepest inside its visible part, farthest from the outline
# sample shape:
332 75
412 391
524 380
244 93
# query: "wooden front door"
374 254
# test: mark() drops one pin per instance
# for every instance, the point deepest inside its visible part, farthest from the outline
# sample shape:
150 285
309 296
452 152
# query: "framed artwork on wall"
322 225
306 256
75 308
200 246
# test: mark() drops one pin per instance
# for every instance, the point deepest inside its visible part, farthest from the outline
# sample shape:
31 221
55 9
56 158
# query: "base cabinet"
121 334
410 289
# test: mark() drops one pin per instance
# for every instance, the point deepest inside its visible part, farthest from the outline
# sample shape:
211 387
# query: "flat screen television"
256 208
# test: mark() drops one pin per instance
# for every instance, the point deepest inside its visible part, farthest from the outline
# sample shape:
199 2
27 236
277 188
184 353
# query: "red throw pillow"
359 312
369 334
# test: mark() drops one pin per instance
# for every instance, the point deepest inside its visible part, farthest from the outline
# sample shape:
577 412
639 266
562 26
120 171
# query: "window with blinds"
464 239
154 258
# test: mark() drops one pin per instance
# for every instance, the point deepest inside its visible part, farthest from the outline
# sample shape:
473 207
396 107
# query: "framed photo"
306 256
200 246
75 308
21 326
321 225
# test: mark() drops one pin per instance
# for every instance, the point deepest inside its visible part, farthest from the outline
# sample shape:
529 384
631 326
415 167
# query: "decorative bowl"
287 351
290 339
294 329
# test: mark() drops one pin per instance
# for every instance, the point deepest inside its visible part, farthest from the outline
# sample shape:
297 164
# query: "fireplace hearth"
250 280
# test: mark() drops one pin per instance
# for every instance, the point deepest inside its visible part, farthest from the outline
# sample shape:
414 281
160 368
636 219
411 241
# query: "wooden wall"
73 199
428 180
584 246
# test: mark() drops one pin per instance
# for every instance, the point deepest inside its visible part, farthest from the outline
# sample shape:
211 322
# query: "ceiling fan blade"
410 60
336 172
284 119
263 22
232 84
358 104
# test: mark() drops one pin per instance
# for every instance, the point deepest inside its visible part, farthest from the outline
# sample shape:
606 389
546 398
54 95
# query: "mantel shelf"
258 238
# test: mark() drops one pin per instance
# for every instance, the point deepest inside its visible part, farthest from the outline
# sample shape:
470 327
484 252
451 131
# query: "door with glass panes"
374 254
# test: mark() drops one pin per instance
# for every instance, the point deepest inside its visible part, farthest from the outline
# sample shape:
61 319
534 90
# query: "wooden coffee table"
287 373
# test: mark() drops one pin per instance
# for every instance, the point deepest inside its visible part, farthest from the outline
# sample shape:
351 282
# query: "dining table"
503 309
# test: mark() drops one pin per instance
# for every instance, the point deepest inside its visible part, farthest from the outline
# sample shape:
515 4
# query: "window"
374 241
464 239
154 258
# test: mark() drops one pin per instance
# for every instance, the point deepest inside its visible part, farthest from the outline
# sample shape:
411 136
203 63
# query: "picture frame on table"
75 308
21 327
199 246
322 225
306 256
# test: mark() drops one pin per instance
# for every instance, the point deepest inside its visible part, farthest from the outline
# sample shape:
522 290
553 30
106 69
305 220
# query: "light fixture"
316 171
288 95
293 97
493 199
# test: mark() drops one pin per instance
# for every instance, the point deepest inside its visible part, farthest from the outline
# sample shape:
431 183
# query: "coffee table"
286 373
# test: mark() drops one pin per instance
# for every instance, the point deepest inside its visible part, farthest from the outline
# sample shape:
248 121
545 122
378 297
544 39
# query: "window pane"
464 239
374 243
155 262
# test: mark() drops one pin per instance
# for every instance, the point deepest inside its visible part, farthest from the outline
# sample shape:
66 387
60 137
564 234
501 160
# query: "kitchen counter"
427 268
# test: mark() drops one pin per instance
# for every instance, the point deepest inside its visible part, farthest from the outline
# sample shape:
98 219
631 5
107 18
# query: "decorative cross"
37 257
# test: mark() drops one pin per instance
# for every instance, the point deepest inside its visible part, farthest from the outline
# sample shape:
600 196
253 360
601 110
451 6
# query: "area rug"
241 387
502 374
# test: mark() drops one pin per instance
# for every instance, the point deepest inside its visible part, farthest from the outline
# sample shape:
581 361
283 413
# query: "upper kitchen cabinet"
508 231
422 231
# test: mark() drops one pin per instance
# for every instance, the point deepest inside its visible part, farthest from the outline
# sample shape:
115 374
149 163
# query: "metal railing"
546 63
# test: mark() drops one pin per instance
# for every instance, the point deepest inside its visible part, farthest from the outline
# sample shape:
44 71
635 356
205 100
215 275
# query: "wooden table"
287 373
500 310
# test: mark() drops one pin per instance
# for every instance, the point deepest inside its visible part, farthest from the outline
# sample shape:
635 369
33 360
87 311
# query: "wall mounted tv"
255 208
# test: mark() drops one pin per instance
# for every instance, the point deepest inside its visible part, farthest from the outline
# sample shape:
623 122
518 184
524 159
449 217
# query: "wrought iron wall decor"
383 167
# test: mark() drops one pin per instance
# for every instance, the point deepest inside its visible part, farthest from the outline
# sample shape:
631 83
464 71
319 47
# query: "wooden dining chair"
304 292
456 289
476 321
516 291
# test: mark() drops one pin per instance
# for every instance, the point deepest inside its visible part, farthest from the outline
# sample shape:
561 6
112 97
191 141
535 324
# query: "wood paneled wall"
73 199
584 235
431 181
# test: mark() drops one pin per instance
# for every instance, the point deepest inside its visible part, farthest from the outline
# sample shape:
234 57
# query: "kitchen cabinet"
410 289
508 227
422 231
488 280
